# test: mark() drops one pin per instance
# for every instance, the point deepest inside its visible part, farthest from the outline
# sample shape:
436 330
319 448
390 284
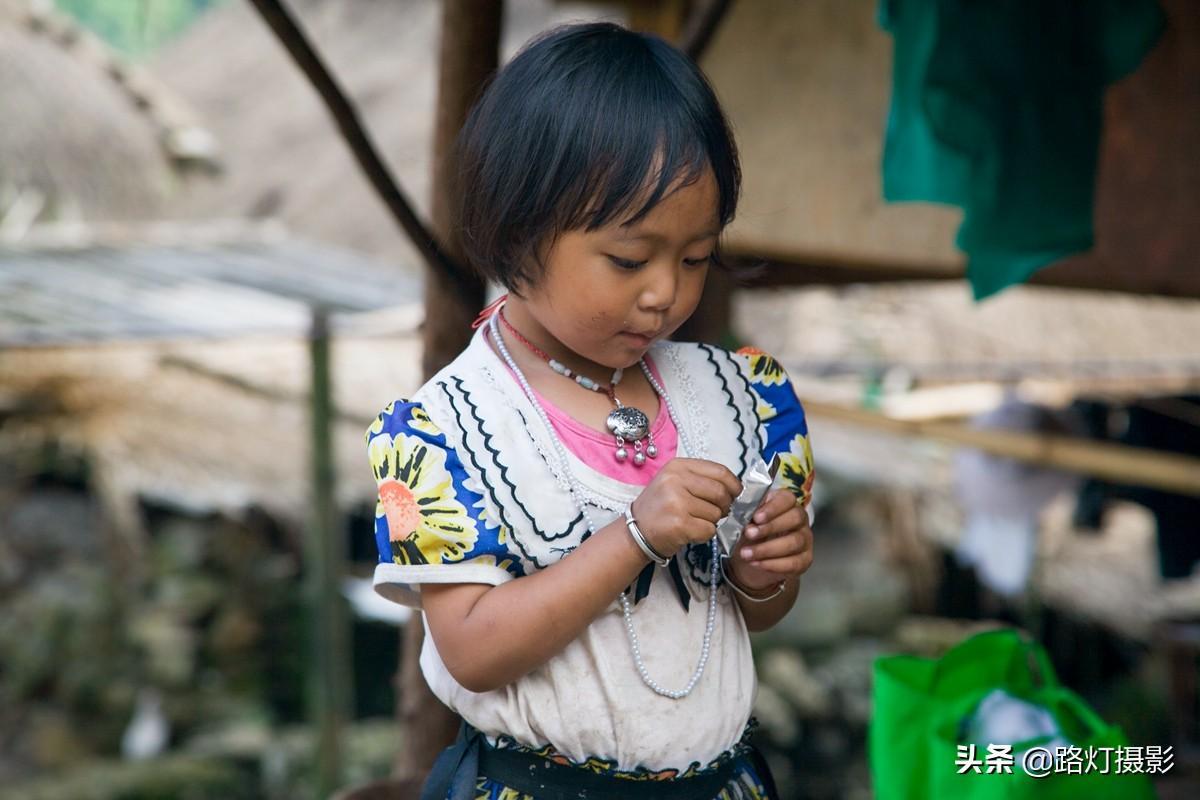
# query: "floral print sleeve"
783 420
429 526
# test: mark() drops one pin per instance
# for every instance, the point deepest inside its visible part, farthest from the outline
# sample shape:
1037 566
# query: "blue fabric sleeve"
783 420
429 526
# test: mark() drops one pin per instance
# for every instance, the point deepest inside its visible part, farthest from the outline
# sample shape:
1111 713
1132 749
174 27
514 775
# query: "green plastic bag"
920 705
1081 727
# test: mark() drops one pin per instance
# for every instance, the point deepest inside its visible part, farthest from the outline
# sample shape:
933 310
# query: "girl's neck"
527 325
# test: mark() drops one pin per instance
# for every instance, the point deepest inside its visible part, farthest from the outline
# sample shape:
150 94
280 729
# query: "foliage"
167 778
136 27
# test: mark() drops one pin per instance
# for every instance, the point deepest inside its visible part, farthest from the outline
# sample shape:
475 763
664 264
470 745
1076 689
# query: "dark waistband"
459 767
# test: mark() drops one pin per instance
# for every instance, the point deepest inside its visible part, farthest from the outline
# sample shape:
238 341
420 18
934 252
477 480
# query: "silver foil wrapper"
755 484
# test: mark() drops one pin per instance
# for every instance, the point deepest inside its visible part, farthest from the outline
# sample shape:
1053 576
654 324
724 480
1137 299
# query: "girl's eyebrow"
649 236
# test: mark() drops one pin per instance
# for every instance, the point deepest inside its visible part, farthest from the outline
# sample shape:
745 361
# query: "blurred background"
204 301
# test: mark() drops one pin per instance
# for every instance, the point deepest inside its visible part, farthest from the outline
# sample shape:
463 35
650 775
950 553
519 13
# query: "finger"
718 472
699 508
788 565
776 502
781 546
792 519
711 491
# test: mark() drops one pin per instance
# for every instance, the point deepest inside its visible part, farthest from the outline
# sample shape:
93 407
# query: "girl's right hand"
683 503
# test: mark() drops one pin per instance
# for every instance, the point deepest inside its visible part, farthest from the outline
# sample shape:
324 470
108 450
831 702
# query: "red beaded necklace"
626 423
562 369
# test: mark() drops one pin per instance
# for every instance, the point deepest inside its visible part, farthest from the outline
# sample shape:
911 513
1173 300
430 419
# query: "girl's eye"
625 263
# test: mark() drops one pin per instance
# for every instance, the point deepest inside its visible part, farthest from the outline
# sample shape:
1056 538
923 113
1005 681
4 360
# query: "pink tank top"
596 449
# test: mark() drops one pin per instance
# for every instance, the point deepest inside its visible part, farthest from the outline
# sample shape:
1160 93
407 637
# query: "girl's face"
606 295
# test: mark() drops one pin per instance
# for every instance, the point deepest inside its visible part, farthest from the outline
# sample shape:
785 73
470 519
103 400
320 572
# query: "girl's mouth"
639 339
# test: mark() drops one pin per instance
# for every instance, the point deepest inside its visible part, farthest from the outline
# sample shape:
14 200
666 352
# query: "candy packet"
755 484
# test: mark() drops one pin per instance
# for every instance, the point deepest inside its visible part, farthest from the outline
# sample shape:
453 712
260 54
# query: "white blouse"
469 493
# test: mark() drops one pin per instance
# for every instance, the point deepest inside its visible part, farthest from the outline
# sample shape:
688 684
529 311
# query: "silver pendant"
628 423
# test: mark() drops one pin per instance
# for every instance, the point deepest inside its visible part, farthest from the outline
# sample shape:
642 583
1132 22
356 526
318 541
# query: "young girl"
554 491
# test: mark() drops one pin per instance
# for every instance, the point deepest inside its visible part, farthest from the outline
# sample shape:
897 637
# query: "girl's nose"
659 292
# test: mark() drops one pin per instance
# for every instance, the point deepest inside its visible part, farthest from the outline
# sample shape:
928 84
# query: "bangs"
589 125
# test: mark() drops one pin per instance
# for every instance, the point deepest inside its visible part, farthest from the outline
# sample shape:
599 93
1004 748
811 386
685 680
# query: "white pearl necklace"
577 493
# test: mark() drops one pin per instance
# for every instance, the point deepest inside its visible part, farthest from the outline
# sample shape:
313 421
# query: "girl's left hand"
776 545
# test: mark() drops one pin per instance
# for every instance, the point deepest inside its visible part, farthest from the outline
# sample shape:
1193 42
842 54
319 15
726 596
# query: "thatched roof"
208 426
85 136
85 284
71 136
283 156
204 404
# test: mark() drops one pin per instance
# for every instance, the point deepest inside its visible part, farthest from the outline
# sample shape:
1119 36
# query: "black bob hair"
566 136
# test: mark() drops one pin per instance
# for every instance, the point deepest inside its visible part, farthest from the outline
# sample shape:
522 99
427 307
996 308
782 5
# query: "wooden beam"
762 270
757 270
345 116
1133 466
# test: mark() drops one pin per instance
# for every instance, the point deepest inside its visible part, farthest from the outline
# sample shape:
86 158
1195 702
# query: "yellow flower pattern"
796 468
783 418
420 421
764 369
426 522
377 425
764 409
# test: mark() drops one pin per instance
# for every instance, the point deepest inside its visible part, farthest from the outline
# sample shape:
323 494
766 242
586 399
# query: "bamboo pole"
1135 466
324 554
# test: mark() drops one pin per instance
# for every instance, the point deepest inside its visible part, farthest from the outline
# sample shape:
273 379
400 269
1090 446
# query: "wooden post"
662 17
324 554
700 27
691 30
712 321
469 53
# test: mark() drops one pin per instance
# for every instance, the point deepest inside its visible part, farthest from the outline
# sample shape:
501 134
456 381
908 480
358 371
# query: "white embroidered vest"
589 701
511 461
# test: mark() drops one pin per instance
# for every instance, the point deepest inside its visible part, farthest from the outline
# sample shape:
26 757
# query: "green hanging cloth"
996 108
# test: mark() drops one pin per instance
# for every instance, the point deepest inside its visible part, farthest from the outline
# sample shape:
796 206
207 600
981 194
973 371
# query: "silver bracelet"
640 540
733 585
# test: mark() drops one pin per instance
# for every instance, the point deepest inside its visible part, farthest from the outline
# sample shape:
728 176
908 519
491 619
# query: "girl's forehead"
691 207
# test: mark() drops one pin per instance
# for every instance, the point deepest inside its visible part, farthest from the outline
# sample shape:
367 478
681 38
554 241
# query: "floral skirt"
746 784
745 775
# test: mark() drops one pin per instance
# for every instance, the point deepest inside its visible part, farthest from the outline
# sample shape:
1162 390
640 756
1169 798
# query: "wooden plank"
779 267
1122 464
